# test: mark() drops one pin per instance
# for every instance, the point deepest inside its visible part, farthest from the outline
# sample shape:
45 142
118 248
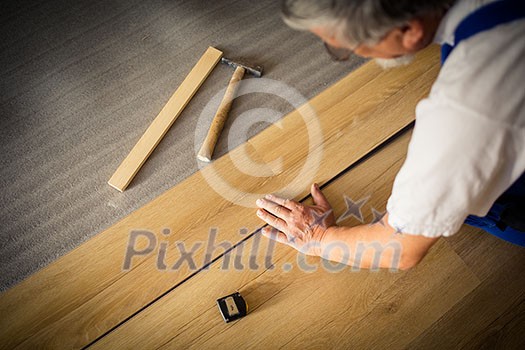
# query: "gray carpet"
81 81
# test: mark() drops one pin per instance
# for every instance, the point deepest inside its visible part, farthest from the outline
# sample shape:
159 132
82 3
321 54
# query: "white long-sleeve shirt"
468 144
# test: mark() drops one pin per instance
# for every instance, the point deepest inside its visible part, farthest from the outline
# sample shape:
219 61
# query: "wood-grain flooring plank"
294 308
484 253
84 294
473 315
504 333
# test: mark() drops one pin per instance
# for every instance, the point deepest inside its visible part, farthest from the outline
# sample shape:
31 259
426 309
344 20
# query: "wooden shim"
83 294
298 309
164 120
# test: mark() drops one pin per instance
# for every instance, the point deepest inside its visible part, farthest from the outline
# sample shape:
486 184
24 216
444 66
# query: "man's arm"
374 246
312 230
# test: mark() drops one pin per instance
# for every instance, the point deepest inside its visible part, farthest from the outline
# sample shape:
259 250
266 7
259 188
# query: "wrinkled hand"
300 226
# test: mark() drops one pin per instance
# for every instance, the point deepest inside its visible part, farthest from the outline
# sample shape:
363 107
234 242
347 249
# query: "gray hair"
357 21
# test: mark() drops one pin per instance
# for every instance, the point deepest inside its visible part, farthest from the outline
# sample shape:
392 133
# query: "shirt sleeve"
458 163
468 143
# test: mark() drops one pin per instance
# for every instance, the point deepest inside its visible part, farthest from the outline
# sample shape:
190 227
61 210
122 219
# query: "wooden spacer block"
164 120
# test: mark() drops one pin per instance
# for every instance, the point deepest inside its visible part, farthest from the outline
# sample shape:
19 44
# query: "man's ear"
413 34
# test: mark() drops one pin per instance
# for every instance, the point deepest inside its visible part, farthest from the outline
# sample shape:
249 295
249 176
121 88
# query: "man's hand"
312 230
300 226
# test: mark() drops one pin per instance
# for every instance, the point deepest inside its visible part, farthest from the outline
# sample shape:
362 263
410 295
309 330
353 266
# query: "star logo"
353 209
320 220
398 231
378 217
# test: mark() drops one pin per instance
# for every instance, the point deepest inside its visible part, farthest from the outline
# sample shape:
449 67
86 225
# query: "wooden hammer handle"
220 117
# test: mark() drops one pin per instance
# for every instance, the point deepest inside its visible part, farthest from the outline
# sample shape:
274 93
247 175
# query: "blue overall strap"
485 18
505 218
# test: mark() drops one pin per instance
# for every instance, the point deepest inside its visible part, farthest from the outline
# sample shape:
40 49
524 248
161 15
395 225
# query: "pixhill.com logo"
145 246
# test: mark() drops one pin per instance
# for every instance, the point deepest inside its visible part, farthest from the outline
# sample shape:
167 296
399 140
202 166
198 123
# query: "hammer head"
256 71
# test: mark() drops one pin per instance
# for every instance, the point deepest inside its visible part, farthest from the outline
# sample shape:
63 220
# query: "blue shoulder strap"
505 218
485 18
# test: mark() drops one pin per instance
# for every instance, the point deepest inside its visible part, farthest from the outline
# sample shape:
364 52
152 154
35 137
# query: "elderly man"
466 159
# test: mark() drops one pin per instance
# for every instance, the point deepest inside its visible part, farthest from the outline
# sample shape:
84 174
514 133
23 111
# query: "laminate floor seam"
168 291
292 303
91 314
360 161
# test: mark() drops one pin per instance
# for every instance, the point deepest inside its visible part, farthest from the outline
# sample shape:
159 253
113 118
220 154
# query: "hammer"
220 117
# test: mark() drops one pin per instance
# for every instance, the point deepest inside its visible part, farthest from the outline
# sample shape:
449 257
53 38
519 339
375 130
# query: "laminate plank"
163 122
335 124
85 293
504 333
293 308
472 317
483 252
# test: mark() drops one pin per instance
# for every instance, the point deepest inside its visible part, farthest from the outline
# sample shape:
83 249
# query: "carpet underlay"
81 81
